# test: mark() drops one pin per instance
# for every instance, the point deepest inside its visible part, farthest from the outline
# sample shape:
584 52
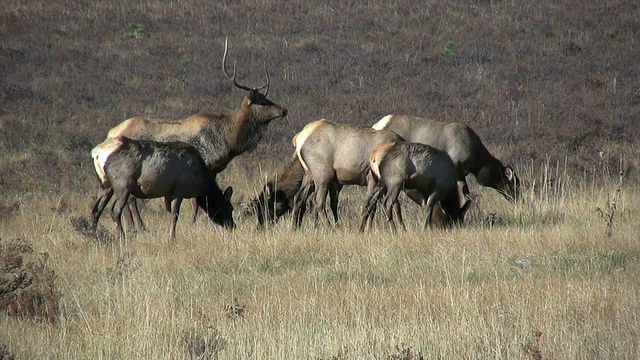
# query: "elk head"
262 108
501 178
510 187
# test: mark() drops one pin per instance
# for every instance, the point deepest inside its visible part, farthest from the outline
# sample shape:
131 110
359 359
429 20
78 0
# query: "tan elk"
218 137
463 145
430 172
150 169
333 155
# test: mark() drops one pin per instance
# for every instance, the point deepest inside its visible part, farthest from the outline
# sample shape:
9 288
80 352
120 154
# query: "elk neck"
245 130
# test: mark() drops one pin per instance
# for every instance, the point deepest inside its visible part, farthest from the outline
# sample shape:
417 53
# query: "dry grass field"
542 280
553 88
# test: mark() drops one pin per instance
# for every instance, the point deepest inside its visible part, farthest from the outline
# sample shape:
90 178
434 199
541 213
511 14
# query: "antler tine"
224 59
268 81
226 73
235 82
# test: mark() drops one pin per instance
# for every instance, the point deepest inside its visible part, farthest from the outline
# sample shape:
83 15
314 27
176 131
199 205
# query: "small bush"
204 346
405 352
27 288
5 354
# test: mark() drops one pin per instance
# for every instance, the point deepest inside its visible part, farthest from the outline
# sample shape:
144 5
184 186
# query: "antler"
224 60
235 82
268 81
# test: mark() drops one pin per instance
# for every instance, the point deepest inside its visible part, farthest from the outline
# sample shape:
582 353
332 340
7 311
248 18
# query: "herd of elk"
178 159
461 143
149 169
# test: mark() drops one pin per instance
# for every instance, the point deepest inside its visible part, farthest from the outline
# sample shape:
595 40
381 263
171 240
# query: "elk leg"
133 208
303 204
389 201
196 208
334 191
99 205
398 212
175 212
116 211
374 194
167 203
431 202
380 194
128 216
322 188
300 200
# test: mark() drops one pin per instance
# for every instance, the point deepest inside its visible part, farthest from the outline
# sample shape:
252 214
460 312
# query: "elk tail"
375 167
382 124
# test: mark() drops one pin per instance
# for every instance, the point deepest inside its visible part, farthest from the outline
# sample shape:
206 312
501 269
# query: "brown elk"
401 166
219 138
333 155
463 145
150 169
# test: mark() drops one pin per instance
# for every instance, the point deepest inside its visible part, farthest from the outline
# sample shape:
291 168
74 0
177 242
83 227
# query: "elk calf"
398 166
149 169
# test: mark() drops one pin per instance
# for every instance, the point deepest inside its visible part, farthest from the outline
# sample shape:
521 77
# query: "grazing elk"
219 138
333 155
463 145
276 198
149 169
398 166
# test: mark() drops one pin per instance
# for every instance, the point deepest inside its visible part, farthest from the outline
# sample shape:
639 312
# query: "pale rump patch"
382 124
101 153
375 166
300 138
118 129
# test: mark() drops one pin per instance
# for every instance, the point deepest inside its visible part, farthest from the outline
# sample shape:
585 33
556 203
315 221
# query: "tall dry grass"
537 279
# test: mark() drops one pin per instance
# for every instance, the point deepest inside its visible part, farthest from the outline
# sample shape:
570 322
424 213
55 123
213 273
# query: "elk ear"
227 193
508 172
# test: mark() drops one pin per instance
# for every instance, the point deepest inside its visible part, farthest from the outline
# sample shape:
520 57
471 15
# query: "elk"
150 169
333 155
276 198
463 145
220 137
397 166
